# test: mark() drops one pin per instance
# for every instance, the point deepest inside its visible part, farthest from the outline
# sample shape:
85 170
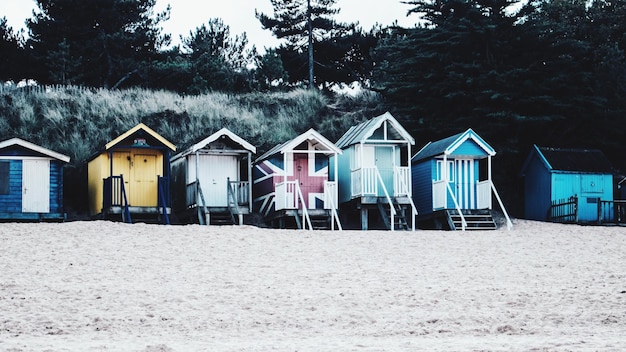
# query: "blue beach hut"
31 181
374 177
452 185
567 185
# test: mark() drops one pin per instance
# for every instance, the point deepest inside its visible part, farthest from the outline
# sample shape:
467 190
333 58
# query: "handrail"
126 211
305 212
233 203
333 209
391 207
458 208
161 183
199 195
509 224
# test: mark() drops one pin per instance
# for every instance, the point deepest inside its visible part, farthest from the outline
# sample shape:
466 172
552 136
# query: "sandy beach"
104 286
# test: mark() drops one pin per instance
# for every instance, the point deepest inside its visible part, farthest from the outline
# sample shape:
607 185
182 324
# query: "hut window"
439 175
4 177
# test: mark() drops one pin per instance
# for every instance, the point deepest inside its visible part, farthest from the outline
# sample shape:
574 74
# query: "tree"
104 42
12 58
271 72
217 60
303 23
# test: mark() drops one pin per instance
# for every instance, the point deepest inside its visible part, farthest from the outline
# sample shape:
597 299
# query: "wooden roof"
136 129
448 145
319 143
571 160
35 148
224 132
361 132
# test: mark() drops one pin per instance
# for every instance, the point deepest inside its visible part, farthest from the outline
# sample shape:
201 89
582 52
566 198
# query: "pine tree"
303 23
108 41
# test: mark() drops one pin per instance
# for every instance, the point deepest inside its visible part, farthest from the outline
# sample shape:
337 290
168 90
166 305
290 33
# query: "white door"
465 183
213 173
36 186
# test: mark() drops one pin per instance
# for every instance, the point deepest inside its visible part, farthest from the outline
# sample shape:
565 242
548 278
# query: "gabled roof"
572 160
136 129
319 142
215 136
448 145
364 130
38 149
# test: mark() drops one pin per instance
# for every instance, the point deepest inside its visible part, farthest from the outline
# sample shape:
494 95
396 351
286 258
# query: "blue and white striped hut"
452 183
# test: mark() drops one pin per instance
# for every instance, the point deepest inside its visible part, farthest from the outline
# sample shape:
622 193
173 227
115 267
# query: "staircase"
399 219
221 218
474 219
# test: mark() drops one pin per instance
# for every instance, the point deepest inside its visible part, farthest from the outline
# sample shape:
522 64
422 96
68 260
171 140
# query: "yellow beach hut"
130 178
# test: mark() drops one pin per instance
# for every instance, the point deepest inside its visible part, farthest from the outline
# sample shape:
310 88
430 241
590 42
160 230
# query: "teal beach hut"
374 177
567 185
452 184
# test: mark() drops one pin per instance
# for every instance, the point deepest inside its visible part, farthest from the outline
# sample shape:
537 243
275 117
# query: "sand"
104 286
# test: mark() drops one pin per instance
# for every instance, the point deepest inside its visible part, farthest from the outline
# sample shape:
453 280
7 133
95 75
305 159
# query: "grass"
78 121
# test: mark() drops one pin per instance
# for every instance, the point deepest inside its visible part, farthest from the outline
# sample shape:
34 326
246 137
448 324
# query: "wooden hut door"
214 172
465 181
36 186
385 163
301 174
143 181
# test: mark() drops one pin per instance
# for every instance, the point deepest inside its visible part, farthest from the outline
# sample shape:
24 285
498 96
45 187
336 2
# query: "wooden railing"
401 181
330 201
366 181
114 195
483 195
564 210
234 201
288 195
620 211
195 198
440 194
401 184
241 191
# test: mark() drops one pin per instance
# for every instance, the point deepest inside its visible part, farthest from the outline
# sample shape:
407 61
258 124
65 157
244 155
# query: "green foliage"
217 60
308 26
101 43
79 122
12 59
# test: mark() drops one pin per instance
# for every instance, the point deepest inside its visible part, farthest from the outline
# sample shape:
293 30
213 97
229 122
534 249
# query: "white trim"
25 158
34 147
470 134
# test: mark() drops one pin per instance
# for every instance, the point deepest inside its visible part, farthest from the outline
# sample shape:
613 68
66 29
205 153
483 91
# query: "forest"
547 72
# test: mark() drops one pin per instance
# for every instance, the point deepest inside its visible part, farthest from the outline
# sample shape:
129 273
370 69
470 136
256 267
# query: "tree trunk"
310 29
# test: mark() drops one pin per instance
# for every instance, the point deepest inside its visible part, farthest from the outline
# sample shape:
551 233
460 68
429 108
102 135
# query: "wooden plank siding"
56 187
12 202
422 175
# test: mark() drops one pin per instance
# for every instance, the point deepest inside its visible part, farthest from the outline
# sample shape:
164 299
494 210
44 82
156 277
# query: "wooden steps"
399 220
475 219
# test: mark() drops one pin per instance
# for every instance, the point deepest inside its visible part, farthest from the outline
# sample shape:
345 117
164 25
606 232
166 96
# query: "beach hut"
292 185
31 181
129 179
211 180
567 185
452 185
374 177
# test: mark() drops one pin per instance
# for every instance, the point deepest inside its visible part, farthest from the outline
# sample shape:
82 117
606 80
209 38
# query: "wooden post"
364 219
